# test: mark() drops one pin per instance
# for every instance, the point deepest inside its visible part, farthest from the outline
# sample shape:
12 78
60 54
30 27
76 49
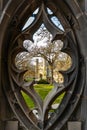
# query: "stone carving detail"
13 82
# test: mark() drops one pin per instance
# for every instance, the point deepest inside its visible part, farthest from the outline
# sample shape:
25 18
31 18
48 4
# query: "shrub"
42 81
28 79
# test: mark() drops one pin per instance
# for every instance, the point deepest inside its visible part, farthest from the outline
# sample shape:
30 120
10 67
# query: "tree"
23 60
45 48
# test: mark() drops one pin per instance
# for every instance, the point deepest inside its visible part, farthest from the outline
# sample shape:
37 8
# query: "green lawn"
42 90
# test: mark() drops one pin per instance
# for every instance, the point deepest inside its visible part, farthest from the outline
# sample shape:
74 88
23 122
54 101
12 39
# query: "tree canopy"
42 47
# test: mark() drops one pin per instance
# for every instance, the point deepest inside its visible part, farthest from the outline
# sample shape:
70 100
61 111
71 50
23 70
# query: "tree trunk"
51 74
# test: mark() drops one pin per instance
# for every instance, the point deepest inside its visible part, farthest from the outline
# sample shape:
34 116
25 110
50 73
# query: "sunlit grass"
42 90
28 100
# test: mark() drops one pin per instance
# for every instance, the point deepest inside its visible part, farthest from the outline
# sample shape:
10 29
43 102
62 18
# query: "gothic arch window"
23 21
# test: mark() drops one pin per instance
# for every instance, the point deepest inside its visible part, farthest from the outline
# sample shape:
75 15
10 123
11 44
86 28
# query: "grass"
42 90
28 100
